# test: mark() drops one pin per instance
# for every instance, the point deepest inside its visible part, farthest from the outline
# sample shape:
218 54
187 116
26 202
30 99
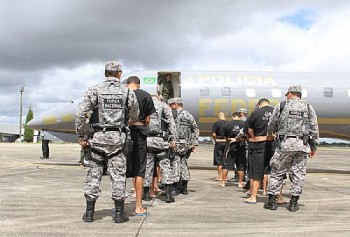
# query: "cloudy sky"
56 49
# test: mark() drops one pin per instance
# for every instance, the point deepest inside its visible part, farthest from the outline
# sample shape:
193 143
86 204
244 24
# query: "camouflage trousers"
184 169
164 165
116 168
176 167
292 161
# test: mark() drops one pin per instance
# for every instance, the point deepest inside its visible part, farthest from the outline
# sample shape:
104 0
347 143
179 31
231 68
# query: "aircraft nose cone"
35 123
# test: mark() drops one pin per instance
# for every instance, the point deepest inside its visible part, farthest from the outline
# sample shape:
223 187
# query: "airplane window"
276 92
250 92
304 93
226 91
204 91
328 92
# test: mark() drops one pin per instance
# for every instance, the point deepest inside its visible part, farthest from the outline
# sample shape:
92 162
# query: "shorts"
138 156
237 155
256 160
219 150
269 151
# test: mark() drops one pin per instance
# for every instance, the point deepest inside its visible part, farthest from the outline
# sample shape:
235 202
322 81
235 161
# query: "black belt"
284 137
156 135
98 129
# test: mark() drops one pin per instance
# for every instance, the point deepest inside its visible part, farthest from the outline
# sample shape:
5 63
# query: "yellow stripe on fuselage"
67 118
329 121
49 120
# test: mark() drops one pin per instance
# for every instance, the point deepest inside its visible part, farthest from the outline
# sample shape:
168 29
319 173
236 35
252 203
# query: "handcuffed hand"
194 149
312 154
83 142
172 145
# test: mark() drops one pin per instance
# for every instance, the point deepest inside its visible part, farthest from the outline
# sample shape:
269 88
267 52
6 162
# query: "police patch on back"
111 101
296 115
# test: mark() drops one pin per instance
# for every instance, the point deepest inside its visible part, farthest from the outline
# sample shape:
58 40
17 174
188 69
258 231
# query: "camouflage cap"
175 101
113 66
242 110
294 89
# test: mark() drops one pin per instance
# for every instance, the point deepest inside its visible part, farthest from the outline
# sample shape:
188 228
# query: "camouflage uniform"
158 147
187 137
166 90
296 121
107 146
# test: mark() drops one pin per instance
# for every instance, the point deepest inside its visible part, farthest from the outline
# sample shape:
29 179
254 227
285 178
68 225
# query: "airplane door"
175 79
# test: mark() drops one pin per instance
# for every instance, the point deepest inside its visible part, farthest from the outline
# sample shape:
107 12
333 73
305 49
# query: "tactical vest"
293 120
109 111
183 125
155 125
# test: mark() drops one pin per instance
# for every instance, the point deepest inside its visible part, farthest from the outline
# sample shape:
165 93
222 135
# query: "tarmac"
45 198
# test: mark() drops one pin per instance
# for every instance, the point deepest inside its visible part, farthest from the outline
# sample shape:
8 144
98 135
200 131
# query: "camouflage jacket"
109 141
279 122
187 130
158 143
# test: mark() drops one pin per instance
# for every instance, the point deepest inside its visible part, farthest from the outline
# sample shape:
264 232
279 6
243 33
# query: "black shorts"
269 151
219 149
237 155
256 160
138 157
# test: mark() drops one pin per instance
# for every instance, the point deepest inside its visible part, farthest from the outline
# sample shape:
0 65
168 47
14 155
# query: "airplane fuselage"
206 93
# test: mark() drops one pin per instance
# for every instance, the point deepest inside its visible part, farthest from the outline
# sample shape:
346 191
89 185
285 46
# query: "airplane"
206 93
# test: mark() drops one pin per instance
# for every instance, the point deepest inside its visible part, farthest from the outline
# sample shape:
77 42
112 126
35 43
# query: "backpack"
155 125
183 125
294 121
110 109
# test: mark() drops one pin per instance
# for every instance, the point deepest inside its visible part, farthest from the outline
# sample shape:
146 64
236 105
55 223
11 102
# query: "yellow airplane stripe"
331 121
49 120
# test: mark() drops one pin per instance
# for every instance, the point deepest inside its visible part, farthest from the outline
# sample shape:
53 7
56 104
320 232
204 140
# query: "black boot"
169 198
90 208
293 204
174 189
120 215
184 187
145 195
271 202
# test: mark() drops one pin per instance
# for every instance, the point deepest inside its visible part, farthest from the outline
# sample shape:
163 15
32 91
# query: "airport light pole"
21 89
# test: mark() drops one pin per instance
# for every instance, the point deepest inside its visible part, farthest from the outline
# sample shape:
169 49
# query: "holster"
306 139
86 157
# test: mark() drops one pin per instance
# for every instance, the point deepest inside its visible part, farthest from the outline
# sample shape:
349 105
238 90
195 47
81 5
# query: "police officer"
294 122
161 138
165 88
244 113
108 102
187 141
138 131
218 130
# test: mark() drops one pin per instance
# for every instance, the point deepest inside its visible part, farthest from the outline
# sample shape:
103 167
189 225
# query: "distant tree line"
337 144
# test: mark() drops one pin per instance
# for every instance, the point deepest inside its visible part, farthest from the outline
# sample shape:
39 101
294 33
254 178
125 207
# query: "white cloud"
57 51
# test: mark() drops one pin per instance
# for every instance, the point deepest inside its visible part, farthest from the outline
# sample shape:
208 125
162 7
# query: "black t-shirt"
219 128
233 127
146 105
246 124
259 120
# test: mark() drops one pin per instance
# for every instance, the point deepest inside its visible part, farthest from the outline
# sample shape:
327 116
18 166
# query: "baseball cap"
294 89
177 100
242 110
113 66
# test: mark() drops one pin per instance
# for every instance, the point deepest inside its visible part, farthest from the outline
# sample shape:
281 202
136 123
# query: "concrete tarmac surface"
45 198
